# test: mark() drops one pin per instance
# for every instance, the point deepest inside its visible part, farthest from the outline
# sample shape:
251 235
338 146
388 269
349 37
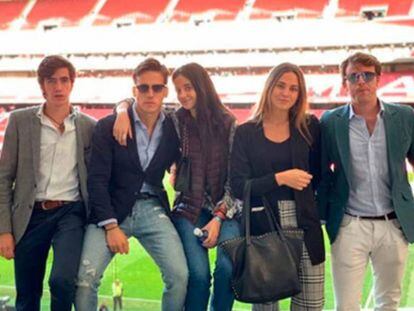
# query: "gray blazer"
19 167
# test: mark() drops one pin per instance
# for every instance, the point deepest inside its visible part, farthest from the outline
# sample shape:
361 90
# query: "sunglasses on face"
367 76
144 88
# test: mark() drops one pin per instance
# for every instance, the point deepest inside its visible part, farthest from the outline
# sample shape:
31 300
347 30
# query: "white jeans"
358 242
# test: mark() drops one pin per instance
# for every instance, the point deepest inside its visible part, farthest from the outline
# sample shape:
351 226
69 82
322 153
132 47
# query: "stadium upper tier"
127 10
67 12
218 36
391 7
300 8
46 13
9 11
223 60
233 89
186 10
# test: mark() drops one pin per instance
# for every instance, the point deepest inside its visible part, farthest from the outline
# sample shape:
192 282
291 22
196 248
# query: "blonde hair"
297 113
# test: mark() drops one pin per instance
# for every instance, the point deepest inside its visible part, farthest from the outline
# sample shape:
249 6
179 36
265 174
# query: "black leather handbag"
183 177
265 267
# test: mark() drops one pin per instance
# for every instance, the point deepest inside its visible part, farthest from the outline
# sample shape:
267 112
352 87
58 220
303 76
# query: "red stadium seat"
394 8
220 10
140 11
10 10
71 11
304 8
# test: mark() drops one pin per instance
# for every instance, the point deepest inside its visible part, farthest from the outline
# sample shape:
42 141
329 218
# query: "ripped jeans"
148 223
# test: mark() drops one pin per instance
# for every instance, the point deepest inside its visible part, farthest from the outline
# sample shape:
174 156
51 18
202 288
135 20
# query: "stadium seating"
52 13
209 9
63 12
10 10
240 89
302 8
393 8
137 11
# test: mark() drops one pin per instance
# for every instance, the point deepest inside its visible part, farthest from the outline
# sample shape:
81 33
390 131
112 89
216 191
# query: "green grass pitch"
143 286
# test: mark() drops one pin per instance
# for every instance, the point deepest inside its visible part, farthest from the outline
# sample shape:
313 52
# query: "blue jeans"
198 290
63 229
148 223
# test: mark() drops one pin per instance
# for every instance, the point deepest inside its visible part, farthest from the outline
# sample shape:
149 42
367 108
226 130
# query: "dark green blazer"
332 196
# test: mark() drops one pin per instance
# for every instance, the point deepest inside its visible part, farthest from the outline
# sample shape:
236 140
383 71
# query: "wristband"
112 228
121 110
218 219
220 215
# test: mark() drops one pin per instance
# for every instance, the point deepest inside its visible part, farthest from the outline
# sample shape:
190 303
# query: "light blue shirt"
370 188
146 145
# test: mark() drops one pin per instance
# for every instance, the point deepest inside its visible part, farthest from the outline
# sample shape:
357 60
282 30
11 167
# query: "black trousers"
117 303
62 229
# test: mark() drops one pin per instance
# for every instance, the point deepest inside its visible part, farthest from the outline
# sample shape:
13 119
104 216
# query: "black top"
253 159
279 157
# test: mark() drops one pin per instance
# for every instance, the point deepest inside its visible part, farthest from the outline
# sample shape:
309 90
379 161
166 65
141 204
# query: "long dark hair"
211 114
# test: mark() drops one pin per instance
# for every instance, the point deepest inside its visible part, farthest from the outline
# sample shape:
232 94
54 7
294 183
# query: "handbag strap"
274 225
271 216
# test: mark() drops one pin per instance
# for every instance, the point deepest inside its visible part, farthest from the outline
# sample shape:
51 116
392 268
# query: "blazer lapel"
295 145
35 140
342 139
80 150
393 137
132 143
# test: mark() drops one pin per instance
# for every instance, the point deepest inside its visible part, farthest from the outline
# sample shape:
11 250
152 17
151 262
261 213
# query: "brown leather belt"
391 215
49 205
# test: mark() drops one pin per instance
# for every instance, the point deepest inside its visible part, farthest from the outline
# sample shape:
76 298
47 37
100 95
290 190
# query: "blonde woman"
278 150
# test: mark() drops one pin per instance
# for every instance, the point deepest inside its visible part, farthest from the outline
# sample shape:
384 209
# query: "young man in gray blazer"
364 195
43 193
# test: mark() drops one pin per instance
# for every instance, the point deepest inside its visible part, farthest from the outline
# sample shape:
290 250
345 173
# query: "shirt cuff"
107 222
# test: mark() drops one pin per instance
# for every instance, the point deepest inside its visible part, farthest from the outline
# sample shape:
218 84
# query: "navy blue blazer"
115 175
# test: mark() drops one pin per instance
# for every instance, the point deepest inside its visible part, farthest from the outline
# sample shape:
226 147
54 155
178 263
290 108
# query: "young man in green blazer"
365 197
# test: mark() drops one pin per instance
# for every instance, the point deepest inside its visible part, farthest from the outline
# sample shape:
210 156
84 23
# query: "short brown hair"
363 59
50 64
150 64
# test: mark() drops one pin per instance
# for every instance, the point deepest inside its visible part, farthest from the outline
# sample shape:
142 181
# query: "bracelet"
112 228
218 219
220 214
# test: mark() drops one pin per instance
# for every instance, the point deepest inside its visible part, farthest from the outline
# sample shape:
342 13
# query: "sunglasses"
144 88
367 76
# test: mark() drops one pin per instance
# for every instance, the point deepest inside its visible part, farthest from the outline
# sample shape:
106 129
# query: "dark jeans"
117 303
198 289
63 229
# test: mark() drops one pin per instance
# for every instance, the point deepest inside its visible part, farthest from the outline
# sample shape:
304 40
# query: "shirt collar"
138 120
352 112
74 111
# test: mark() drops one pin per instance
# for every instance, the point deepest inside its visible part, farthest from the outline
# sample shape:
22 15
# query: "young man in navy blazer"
127 197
